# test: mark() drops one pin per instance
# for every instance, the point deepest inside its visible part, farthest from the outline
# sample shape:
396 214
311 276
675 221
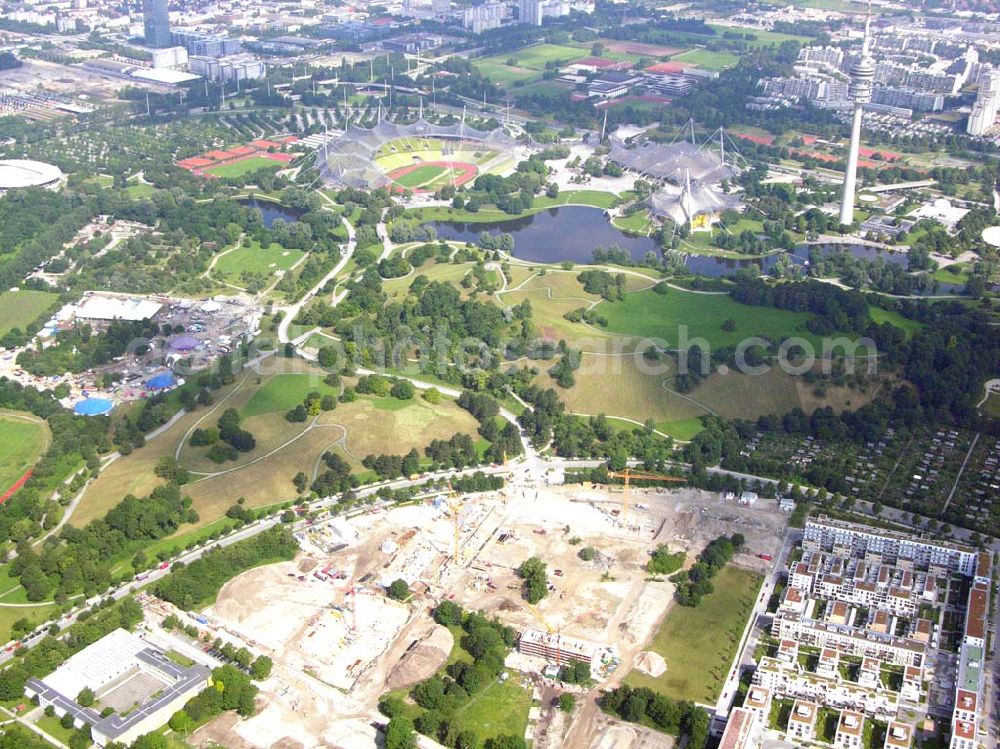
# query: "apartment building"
557 647
898 735
888 547
849 640
850 728
742 730
970 684
858 582
787 681
802 721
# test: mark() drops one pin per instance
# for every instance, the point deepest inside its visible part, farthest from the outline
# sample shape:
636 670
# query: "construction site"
339 642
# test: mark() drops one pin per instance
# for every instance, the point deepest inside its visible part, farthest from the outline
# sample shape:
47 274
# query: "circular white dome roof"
991 235
27 173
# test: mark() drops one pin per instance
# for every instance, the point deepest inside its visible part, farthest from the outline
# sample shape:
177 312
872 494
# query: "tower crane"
455 507
628 475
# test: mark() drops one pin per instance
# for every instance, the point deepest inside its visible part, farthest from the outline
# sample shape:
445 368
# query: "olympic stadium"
420 157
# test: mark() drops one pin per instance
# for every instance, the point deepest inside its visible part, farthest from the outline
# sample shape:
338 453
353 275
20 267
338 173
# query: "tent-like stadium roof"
670 161
681 206
349 159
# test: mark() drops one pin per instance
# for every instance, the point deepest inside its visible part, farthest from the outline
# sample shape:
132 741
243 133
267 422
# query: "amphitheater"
421 157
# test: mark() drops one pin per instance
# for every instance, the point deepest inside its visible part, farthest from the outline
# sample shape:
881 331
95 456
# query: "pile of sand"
423 660
651 663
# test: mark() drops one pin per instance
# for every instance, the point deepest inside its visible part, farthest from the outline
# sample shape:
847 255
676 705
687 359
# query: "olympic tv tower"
862 76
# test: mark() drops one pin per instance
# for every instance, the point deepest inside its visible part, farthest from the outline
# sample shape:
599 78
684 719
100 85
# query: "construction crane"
455 506
557 631
628 475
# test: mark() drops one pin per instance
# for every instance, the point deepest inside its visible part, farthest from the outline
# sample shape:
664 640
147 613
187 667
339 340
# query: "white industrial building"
122 670
100 308
169 57
228 69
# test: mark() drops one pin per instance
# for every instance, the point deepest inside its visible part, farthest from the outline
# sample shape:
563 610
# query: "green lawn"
19 308
500 73
22 440
139 190
681 429
634 223
652 315
991 407
101 180
595 198
421 176
52 726
528 63
761 38
33 614
501 709
880 316
708 60
957 274
284 392
255 259
698 644
239 168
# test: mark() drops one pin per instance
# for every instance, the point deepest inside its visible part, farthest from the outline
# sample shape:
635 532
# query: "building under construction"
557 647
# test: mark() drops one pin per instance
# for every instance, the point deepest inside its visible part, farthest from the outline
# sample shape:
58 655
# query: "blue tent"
163 381
93 407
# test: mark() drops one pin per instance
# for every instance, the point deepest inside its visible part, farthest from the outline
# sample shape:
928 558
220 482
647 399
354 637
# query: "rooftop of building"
851 723
824 520
898 735
975 613
737 729
99 664
803 712
559 641
757 697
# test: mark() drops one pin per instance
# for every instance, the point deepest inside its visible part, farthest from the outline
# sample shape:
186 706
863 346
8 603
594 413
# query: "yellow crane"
557 631
455 507
628 475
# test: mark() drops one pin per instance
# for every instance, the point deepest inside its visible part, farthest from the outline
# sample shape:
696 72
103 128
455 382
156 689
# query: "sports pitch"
243 166
428 164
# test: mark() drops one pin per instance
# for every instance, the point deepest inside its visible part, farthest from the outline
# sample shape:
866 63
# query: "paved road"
292 311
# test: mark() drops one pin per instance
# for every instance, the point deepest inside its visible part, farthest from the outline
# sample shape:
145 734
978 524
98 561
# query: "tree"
301 482
327 357
399 590
399 733
532 572
261 668
151 741
86 697
432 396
402 390
181 722
447 613
567 702
12 681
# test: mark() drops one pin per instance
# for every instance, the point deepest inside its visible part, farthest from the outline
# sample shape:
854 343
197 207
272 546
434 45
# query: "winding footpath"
292 311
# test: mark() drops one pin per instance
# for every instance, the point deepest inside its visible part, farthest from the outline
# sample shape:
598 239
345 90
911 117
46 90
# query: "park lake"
573 232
